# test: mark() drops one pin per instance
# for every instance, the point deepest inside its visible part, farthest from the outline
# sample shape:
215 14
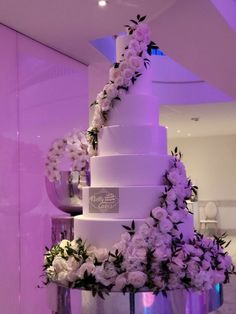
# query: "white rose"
51 274
165 225
162 253
125 236
193 267
101 255
175 216
158 282
120 246
137 279
98 120
171 195
136 63
189 249
180 166
119 81
120 282
72 263
129 53
89 267
134 45
114 73
180 191
206 265
59 264
110 91
159 213
109 270
127 74
174 177
62 278
72 276
64 243
74 245
102 277
138 241
144 230
208 256
150 221
105 104
141 32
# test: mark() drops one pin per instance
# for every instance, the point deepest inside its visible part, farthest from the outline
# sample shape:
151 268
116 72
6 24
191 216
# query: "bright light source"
102 3
178 131
189 134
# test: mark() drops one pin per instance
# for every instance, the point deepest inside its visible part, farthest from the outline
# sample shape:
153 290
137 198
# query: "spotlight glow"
189 134
178 131
102 3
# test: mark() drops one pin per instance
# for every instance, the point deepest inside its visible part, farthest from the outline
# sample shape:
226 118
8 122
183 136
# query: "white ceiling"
214 119
69 25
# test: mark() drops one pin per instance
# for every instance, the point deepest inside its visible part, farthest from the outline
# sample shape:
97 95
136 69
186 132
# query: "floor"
229 306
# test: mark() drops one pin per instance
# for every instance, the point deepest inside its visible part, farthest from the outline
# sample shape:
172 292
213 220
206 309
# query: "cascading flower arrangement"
73 147
155 257
122 75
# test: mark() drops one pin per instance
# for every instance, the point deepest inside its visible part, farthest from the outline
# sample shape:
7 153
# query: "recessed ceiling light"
102 3
189 134
195 119
178 131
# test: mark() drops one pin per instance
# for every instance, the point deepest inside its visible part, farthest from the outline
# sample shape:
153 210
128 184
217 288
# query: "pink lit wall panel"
9 175
43 95
52 101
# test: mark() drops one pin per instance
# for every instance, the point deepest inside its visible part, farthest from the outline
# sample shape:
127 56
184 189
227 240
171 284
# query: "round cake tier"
134 110
145 139
104 233
119 203
128 170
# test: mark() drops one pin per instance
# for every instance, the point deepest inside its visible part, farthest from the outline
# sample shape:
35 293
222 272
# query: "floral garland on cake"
122 75
155 257
73 147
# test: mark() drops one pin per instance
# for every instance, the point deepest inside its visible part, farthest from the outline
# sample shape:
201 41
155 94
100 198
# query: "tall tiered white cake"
127 174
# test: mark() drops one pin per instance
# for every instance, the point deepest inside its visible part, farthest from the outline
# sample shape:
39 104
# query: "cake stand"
176 302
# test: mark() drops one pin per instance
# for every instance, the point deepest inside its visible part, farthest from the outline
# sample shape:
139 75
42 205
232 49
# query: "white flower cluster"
121 76
74 147
155 257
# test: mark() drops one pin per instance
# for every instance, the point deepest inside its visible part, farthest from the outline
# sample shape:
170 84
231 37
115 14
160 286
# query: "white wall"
211 164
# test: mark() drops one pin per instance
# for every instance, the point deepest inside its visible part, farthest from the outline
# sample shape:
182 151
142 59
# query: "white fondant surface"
134 110
133 139
104 233
134 202
128 170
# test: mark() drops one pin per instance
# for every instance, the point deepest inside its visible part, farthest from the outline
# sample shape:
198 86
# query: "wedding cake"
127 175
136 233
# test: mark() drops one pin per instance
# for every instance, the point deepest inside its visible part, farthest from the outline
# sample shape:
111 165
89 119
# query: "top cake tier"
138 106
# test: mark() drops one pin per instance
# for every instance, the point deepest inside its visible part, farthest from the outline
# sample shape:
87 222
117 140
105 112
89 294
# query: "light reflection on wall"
148 299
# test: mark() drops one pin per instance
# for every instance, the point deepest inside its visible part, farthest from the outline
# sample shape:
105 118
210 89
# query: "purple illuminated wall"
43 95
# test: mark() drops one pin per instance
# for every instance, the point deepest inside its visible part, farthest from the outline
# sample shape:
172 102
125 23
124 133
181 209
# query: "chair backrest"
210 210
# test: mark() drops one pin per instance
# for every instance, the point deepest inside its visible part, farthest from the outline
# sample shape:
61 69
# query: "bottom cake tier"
104 233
